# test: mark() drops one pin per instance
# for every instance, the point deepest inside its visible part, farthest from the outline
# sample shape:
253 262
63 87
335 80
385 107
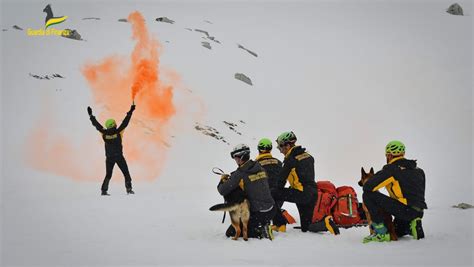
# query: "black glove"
89 110
132 108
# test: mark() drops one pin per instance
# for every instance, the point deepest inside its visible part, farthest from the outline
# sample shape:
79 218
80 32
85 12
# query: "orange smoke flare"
146 139
112 80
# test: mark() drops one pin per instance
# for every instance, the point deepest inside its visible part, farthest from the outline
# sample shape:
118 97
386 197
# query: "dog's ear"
362 171
371 171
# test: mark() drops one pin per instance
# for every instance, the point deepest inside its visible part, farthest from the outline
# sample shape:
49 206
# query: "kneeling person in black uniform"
298 169
405 183
271 165
252 179
273 168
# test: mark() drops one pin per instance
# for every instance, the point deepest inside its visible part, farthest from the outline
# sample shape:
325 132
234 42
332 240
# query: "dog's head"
365 176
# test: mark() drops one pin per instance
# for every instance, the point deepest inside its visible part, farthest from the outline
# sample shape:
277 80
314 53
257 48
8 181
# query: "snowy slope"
346 77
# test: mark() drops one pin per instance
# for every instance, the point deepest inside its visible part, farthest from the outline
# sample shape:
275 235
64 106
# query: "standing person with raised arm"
112 136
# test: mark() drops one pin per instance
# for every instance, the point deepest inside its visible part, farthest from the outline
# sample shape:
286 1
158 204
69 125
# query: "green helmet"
110 123
285 138
395 148
264 144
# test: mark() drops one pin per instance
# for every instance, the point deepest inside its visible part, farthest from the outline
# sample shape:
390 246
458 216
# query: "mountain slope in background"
345 77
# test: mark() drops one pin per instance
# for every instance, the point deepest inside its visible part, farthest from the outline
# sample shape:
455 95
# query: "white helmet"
240 150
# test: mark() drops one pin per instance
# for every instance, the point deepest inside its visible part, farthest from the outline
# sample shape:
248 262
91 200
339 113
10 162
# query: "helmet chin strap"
241 161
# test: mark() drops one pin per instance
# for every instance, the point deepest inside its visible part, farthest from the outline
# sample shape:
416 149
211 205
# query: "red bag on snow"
346 212
327 197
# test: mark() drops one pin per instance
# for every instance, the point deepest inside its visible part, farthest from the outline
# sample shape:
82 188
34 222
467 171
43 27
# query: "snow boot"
380 234
130 191
416 229
104 193
266 232
281 228
327 224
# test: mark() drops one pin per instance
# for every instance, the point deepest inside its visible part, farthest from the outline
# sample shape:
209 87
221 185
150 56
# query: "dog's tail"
225 207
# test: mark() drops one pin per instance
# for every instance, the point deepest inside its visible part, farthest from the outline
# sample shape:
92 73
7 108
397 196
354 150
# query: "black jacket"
273 168
403 180
298 169
113 136
253 179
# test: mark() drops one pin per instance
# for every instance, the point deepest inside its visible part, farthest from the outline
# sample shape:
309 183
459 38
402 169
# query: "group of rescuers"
404 181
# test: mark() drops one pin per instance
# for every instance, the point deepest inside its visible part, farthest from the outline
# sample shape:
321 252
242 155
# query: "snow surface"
345 76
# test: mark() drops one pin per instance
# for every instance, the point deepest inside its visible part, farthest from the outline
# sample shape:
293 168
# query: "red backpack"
345 212
327 197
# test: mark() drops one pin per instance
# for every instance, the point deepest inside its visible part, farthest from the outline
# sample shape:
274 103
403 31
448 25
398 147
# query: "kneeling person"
405 183
252 179
273 167
298 170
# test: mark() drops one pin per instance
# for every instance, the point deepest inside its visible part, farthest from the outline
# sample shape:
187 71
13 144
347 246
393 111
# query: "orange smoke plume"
146 139
112 81
49 150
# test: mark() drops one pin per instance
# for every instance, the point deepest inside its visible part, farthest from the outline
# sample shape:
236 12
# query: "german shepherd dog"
239 210
387 217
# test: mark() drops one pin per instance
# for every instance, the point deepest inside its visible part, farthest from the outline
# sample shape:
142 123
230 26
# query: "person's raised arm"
94 121
125 121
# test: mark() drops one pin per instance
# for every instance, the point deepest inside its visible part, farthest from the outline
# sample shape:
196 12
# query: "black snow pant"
109 166
256 219
304 200
377 203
